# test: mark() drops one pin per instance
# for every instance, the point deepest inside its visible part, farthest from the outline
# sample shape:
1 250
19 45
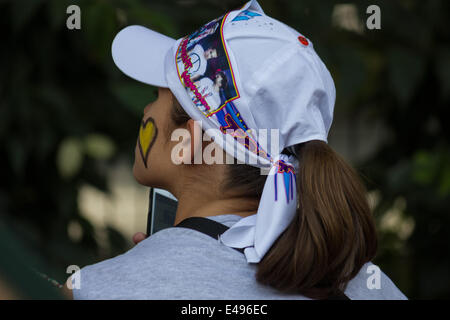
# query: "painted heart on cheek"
147 136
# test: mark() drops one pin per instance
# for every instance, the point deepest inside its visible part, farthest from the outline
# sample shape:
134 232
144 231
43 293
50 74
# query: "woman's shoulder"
164 256
166 243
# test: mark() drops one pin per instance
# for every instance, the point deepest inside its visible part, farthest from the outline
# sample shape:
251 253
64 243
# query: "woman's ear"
195 131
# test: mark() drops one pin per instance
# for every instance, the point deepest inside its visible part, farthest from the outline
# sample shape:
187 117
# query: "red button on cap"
303 40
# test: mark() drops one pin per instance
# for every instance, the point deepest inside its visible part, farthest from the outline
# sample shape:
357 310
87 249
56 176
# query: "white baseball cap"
237 74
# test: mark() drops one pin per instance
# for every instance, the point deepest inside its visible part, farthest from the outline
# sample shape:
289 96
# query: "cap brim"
140 54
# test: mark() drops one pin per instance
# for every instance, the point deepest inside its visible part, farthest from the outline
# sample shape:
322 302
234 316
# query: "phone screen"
162 210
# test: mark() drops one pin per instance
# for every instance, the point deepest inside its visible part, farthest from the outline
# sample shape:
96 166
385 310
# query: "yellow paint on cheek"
147 136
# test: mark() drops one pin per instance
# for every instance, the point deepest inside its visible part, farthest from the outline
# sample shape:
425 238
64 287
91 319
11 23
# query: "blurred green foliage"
67 113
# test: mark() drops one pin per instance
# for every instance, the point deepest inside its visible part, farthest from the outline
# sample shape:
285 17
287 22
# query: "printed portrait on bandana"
206 73
209 69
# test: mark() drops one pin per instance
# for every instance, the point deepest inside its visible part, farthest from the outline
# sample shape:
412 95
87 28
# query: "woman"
296 222
210 91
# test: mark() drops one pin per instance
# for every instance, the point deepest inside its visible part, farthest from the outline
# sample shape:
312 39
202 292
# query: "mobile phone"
161 210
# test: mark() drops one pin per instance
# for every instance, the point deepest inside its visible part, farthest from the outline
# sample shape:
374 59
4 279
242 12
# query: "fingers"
138 237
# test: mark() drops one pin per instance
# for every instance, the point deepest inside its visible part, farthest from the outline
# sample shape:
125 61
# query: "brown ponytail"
333 233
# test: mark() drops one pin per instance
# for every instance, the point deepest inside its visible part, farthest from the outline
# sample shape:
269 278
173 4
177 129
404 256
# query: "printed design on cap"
289 179
209 80
208 75
245 15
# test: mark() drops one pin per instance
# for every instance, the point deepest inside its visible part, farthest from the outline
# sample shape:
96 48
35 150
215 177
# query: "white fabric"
257 233
275 80
139 53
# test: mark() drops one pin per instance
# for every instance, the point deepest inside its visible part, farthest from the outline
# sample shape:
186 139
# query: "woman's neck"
188 207
207 199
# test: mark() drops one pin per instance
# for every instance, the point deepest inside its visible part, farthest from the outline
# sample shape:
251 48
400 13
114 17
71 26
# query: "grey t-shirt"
180 263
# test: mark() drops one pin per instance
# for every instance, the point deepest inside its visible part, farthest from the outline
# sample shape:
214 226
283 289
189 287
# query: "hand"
138 237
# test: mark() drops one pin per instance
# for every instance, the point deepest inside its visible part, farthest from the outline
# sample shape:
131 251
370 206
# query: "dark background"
67 115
